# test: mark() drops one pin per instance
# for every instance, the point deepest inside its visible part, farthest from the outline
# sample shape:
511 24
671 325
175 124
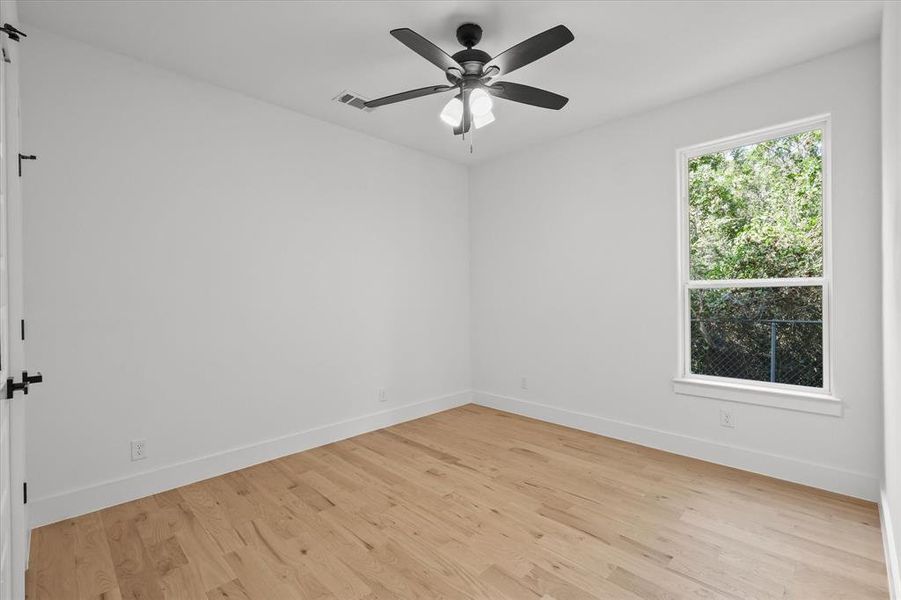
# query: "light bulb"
452 114
480 102
481 120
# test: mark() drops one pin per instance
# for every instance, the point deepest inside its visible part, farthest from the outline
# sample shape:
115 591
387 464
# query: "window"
755 261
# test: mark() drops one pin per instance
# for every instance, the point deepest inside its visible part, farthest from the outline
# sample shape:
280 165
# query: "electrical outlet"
726 418
383 395
524 383
138 449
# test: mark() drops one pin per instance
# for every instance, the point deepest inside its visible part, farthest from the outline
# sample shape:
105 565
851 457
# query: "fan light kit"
480 104
472 75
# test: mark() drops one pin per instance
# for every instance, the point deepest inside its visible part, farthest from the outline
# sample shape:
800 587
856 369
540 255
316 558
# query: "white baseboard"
51 509
888 542
851 483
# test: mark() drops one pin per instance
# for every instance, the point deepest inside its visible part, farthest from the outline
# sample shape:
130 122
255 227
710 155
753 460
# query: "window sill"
810 402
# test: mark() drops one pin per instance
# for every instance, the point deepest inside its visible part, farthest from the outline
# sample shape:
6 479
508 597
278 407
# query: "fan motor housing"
472 61
471 55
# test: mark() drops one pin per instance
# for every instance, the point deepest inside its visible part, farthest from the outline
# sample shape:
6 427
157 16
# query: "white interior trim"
888 543
51 509
756 136
851 483
797 398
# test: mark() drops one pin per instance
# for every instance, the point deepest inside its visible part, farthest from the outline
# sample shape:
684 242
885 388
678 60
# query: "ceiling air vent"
352 99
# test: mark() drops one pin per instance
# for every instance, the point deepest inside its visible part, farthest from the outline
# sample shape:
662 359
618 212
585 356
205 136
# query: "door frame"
20 530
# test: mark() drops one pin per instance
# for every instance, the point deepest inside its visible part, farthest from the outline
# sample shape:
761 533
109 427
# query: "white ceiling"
627 56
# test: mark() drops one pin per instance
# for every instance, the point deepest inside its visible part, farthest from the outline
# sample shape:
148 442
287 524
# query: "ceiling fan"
472 74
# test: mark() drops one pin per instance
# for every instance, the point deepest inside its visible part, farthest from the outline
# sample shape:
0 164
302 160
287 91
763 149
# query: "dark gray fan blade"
527 94
426 49
531 50
409 95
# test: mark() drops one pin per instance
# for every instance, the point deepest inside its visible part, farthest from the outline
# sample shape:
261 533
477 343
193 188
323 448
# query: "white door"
13 518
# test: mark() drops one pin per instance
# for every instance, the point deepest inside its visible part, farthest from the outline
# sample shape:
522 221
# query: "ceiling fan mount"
472 74
469 34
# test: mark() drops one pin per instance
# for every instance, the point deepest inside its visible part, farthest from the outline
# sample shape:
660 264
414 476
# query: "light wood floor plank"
94 568
471 504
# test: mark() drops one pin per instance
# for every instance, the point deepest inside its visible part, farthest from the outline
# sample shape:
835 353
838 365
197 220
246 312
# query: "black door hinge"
24 492
22 327
25 157
12 386
13 33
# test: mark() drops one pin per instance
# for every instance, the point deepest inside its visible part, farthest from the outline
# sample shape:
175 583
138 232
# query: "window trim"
795 397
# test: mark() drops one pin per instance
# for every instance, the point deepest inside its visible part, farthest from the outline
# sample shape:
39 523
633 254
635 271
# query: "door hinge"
22 327
25 157
24 492
11 32
12 386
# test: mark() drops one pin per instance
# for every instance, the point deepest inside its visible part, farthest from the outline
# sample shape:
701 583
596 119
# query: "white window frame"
794 397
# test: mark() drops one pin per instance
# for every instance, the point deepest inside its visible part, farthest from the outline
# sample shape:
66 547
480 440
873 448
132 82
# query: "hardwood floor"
470 503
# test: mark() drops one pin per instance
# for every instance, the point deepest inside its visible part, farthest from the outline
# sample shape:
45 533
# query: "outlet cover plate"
138 449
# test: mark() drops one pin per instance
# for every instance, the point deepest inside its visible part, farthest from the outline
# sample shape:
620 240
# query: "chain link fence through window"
777 350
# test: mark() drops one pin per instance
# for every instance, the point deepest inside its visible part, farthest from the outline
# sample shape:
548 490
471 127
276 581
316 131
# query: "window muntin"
755 266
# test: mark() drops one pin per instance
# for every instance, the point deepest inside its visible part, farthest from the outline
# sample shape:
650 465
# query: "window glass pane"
756 212
763 334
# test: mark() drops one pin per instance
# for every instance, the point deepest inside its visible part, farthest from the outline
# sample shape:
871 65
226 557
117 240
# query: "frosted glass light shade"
481 120
480 102
452 113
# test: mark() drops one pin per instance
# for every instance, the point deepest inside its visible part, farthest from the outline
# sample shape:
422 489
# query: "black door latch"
27 380
13 33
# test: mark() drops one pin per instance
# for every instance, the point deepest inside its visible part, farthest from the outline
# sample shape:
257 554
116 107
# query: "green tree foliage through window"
756 212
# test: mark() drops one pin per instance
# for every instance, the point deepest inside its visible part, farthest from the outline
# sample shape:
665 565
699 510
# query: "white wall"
575 283
207 272
891 282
